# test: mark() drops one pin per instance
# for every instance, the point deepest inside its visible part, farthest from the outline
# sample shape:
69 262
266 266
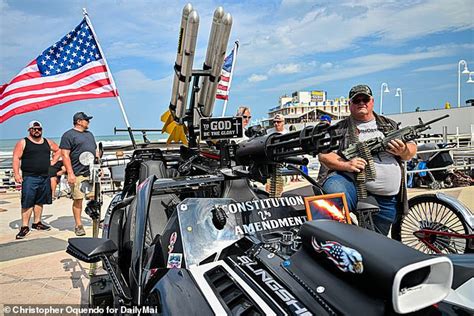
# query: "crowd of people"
42 162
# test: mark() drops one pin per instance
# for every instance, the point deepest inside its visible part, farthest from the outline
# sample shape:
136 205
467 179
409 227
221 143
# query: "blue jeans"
339 182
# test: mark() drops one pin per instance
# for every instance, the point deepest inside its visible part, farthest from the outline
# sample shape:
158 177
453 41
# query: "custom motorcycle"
210 243
189 234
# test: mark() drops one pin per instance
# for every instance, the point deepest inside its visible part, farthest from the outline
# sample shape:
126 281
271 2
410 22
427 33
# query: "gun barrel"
437 119
283 147
296 160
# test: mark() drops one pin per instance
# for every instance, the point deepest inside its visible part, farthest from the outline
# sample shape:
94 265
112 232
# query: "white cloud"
337 27
447 86
285 69
327 66
436 68
270 32
257 78
360 66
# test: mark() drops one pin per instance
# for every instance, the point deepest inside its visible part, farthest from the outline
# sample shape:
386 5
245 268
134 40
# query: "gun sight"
433 121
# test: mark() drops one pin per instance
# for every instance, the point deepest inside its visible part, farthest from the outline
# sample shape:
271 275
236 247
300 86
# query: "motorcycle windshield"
201 239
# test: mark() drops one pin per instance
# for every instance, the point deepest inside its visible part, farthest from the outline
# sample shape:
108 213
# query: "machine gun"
263 153
378 144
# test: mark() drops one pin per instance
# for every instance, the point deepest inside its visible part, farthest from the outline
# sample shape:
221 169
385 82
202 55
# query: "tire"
427 211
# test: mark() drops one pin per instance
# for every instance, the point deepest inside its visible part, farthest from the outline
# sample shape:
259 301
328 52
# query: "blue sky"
286 46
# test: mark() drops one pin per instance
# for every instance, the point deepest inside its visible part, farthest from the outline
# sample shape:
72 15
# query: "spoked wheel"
427 213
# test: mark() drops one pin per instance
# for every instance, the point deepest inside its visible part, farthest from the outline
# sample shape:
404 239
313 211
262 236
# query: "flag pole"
236 48
119 100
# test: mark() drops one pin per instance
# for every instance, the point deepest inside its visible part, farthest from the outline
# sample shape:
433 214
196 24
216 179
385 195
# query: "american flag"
226 74
71 69
345 258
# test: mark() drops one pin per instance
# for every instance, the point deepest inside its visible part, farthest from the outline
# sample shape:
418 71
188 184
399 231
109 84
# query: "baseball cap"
278 118
360 89
34 124
326 118
80 116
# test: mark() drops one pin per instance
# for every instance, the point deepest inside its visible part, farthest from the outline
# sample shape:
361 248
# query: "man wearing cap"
32 155
388 184
325 119
73 143
279 125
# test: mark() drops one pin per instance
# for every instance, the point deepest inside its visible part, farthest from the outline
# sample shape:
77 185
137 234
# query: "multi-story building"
309 106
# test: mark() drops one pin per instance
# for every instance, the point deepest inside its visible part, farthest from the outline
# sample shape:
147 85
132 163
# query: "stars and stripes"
71 69
226 76
345 258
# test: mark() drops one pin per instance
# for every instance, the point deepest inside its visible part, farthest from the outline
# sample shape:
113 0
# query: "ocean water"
7 145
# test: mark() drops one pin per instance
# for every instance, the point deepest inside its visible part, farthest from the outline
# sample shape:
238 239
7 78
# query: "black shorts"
35 190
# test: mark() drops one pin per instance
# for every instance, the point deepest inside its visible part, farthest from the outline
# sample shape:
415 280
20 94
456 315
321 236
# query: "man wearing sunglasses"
73 143
278 125
386 172
32 155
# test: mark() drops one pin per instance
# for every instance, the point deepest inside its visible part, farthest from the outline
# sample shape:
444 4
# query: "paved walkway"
37 270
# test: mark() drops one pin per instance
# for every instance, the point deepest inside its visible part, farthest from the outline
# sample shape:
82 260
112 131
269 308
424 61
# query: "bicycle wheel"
428 212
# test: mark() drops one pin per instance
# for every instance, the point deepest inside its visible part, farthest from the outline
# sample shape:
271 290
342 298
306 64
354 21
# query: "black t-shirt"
78 142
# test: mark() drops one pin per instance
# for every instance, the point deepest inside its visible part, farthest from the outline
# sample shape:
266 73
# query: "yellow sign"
317 96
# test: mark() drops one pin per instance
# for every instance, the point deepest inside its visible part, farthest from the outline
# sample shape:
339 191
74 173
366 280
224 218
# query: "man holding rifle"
380 175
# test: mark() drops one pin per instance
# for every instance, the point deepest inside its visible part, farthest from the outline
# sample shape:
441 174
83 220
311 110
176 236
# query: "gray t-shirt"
388 175
78 142
273 131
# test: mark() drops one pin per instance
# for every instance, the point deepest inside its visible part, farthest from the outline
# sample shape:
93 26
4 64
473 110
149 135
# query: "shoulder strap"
385 124
47 143
23 142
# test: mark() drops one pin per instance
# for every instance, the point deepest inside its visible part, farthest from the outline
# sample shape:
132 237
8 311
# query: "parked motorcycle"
436 179
210 242
190 235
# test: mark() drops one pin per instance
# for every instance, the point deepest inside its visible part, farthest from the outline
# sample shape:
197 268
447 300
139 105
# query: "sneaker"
40 226
79 230
24 230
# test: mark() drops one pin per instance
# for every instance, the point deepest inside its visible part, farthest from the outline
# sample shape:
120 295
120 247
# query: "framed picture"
328 206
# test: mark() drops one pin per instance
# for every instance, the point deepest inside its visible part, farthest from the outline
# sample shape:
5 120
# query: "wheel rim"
434 216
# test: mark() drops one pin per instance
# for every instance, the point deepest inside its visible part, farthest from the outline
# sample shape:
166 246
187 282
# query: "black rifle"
378 144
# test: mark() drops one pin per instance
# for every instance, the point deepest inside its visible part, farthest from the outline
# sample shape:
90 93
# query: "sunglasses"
359 100
247 117
277 122
37 129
